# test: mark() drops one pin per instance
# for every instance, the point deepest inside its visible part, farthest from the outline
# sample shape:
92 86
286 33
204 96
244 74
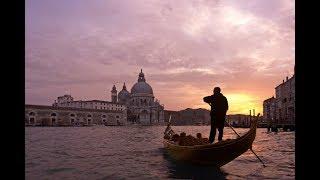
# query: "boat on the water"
217 154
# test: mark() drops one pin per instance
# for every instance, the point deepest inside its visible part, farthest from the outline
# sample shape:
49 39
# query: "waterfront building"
281 109
269 109
67 101
239 120
285 102
40 115
202 116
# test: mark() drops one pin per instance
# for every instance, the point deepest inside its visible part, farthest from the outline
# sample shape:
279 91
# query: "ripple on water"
56 170
138 153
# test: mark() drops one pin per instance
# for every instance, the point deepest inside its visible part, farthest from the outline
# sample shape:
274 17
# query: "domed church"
142 107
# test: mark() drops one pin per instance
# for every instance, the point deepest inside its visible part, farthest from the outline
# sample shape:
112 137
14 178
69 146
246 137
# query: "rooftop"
67 108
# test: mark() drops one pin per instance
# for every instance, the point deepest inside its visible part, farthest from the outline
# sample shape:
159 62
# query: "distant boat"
217 154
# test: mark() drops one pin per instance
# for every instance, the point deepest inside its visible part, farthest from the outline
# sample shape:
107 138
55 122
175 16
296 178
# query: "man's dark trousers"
213 132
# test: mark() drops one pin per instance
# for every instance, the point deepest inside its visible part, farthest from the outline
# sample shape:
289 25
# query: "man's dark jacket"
219 108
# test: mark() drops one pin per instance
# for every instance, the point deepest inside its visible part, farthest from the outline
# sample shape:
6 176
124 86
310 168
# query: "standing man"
219 108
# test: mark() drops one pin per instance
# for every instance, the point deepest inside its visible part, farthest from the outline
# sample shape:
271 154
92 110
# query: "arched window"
117 116
89 115
53 114
72 115
31 120
104 116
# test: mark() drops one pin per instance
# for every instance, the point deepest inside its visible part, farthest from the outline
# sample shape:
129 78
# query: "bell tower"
114 94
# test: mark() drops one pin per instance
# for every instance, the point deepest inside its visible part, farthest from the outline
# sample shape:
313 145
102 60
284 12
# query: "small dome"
123 95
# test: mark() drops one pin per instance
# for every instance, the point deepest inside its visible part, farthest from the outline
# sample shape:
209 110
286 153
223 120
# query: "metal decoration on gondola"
168 133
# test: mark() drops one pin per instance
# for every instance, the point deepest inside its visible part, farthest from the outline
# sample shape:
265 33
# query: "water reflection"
180 170
138 153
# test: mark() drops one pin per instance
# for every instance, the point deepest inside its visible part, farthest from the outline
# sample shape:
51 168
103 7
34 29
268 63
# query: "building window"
89 115
117 116
31 120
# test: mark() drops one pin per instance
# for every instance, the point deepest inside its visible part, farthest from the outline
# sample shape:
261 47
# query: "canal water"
136 152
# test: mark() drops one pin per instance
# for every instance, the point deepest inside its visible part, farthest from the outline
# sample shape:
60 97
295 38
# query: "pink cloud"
242 46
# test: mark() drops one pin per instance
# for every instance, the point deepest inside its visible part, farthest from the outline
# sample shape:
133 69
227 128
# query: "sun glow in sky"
242 103
185 49
238 104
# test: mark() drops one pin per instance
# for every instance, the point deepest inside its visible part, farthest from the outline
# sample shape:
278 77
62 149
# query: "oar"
250 147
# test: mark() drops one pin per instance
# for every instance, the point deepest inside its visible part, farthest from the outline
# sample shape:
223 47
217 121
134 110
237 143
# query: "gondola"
217 154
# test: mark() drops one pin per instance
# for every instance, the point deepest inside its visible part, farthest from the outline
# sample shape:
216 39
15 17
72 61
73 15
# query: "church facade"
142 107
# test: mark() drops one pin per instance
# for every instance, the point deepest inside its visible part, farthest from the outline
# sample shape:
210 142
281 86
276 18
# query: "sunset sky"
185 48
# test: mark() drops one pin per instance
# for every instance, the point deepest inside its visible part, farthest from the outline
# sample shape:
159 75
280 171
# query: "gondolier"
219 108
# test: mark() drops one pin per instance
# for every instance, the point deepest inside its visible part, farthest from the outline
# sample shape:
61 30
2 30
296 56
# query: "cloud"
184 47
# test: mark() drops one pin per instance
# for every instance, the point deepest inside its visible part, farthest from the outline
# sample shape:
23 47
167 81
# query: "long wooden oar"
250 147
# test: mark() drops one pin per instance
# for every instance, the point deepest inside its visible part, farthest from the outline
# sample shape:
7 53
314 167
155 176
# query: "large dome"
141 86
